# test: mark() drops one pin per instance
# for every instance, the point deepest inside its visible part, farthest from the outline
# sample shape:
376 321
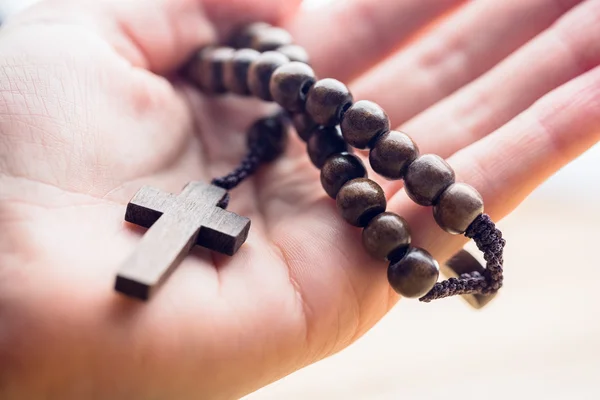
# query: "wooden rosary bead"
392 153
295 53
244 37
270 38
327 101
207 68
192 69
235 71
457 208
290 83
323 143
415 274
339 169
260 72
360 200
272 133
363 122
387 236
304 125
426 178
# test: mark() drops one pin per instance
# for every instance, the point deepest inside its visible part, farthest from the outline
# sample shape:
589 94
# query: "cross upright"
176 222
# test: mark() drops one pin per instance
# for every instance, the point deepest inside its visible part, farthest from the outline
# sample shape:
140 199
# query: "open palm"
87 117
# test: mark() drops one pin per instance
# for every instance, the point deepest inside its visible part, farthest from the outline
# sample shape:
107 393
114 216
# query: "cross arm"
147 205
223 232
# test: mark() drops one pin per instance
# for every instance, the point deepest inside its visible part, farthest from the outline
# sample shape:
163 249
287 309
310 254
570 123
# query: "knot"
489 241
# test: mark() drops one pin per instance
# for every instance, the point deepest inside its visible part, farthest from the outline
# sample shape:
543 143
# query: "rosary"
263 62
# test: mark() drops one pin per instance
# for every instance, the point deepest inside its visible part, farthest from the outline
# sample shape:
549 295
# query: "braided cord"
266 140
489 241
247 167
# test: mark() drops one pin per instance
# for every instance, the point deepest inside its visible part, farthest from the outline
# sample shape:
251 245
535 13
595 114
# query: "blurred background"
539 339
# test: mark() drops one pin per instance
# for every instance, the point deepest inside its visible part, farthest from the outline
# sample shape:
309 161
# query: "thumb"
157 34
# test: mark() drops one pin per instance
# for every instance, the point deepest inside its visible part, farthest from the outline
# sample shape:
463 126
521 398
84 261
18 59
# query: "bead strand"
326 117
262 37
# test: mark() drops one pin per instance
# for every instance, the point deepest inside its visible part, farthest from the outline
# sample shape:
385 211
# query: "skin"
89 112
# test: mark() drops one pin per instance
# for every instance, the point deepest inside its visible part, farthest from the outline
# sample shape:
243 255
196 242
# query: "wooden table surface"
539 339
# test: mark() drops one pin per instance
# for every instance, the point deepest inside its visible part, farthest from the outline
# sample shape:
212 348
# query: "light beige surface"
540 339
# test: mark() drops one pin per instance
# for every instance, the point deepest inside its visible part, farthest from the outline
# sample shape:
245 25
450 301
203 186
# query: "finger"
515 159
469 43
160 34
228 15
563 52
506 166
345 38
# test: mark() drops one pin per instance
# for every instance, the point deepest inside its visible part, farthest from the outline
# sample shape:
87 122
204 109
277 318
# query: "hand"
87 117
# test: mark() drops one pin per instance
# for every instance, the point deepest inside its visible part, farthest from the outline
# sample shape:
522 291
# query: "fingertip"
228 15
169 32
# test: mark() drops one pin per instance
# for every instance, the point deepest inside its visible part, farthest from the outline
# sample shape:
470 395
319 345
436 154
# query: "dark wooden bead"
360 200
260 72
192 69
387 236
426 178
304 125
327 101
457 208
271 38
392 153
245 35
208 67
235 71
363 122
272 134
290 84
415 274
339 169
323 143
295 53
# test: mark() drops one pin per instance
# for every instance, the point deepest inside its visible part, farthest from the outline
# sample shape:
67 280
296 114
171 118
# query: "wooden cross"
176 224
